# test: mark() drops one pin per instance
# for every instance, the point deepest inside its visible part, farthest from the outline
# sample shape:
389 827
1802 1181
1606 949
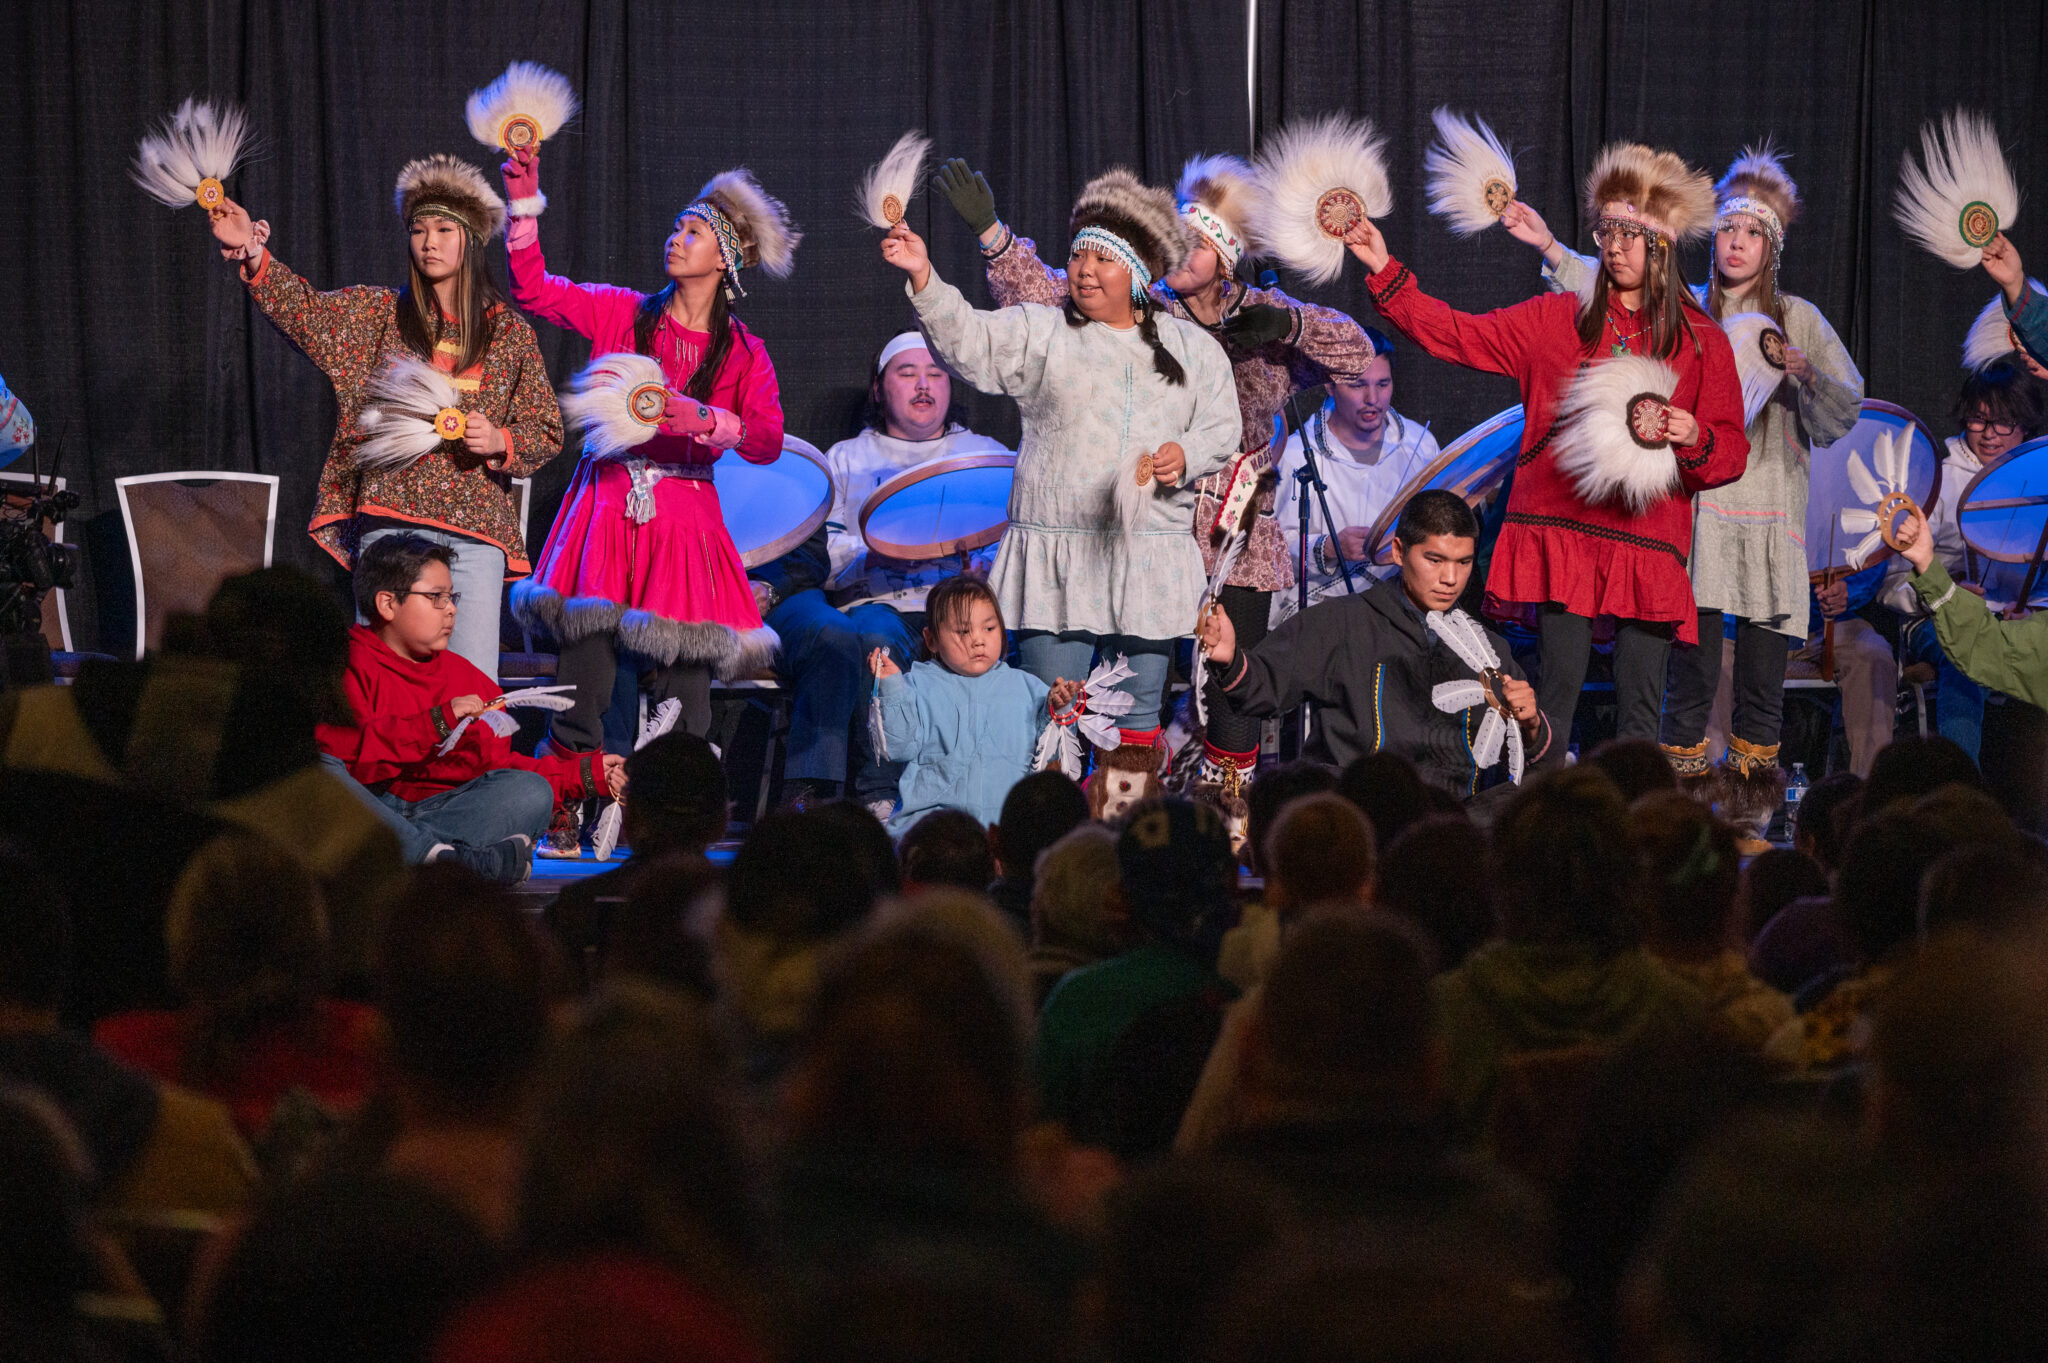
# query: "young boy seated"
479 803
1373 663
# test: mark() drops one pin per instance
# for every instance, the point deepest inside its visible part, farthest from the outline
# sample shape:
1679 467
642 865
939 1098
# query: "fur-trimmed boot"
1696 776
1124 775
1752 784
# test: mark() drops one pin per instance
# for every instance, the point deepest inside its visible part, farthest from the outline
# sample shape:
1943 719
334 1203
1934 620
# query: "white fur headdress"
191 152
1322 176
1144 218
1991 337
890 184
1219 195
1653 189
1965 194
452 187
1609 436
1759 359
1471 174
413 407
522 108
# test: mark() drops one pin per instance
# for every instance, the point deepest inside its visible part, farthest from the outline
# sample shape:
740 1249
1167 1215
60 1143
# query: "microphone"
1269 279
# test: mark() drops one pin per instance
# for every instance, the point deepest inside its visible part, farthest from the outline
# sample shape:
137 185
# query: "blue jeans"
479 575
1049 657
1958 701
824 664
474 819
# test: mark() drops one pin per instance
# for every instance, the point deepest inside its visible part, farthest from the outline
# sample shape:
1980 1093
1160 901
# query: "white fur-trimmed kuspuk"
413 407
1464 637
1991 337
1610 434
190 153
890 184
1094 715
1471 174
1323 176
502 724
522 108
1883 493
617 401
1759 359
1961 194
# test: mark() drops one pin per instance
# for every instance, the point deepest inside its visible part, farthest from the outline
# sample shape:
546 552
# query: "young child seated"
966 723
479 803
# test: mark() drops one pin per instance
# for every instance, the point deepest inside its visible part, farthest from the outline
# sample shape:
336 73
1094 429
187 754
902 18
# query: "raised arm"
327 327
997 352
1496 342
1016 274
592 310
1332 343
2004 655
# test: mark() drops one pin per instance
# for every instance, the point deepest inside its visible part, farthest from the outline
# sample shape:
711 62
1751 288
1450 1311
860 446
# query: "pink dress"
672 588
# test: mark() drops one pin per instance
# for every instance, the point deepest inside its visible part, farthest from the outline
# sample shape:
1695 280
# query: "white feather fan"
612 401
1990 339
1596 445
1467 639
890 184
1756 338
1093 715
190 153
1321 174
1893 455
1471 175
503 725
413 407
522 108
1963 196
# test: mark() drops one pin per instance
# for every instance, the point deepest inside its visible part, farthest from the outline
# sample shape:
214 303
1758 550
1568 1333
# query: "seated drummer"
833 601
1373 663
1366 453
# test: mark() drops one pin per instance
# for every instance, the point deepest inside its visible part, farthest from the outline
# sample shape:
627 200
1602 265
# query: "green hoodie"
2005 655
1511 998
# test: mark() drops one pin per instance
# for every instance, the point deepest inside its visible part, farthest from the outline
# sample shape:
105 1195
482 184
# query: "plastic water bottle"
1795 789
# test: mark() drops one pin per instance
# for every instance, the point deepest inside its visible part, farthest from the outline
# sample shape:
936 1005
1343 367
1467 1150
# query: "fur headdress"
753 227
1217 197
1142 217
1758 175
453 188
1653 189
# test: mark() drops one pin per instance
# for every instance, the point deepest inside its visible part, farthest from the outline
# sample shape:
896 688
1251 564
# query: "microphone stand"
1309 479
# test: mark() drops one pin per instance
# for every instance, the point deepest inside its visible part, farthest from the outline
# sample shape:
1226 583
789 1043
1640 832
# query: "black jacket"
1372 664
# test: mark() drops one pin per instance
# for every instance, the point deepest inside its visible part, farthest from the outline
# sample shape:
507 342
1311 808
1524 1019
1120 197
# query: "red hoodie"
402 717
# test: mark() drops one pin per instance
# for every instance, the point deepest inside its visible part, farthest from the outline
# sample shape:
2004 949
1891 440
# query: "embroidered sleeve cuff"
1935 586
1701 452
1387 281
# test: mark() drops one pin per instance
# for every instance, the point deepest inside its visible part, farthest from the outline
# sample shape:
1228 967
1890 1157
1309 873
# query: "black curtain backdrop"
128 337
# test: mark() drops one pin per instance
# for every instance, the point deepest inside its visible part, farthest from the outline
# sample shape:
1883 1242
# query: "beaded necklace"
1621 339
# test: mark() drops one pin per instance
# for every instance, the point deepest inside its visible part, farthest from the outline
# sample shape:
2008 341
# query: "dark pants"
824 663
591 664
1759 684
1249 610
1564 645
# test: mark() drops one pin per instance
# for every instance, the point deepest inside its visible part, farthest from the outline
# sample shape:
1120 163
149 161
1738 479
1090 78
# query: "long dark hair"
478 301
1665 298
648 317
1163 363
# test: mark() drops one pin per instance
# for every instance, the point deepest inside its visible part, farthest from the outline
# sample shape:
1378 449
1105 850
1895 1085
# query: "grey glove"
963 184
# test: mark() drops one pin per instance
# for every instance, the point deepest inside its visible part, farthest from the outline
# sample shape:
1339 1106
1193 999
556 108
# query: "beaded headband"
1108 243
728 240
1220 234
421 210
1755 208
1621 212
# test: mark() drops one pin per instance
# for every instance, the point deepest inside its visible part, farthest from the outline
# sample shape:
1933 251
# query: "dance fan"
1964 196
1323 177
502 724
1883 495
1463 636
1094 714
414 407
604 839
890 184
1471 175
1991 337
1230 511
185 160
1613 432
1759 359
619 401
521 109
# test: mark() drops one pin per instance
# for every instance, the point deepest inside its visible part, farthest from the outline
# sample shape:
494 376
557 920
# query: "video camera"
30 563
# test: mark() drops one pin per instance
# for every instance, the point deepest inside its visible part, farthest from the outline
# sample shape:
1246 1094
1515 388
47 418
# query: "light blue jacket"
965 740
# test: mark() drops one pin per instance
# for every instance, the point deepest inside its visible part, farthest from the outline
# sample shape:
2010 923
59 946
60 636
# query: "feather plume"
1991 339
1760 378
1466 638
1962 195
403 400
1305 162
767 237
598 402
887 188
1230 188
1595 446
1759 173
1146 217
1467 168
455 183
528 92
498 722
199 142
1893 456
1659 184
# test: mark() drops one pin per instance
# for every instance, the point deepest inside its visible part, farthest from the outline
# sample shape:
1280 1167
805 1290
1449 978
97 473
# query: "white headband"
1219 234
908 340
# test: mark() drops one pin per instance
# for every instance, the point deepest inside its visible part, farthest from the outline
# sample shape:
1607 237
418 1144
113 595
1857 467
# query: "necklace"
1621 338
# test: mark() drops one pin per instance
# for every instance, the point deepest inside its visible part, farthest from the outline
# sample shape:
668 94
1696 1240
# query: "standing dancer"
1601 527
639 559
452 315
1123 408
1748 554
1277 346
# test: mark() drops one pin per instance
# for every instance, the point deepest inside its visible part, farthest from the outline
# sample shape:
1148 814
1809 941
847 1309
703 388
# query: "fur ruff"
1760 378
728 652
1229 187
1990 338
1147 218
1663 192
1465 157
403 399
595 402
1595 447
198 142
1963 164
527 90
1748 802
896 176
767 237
1305 161
1759 173
452 181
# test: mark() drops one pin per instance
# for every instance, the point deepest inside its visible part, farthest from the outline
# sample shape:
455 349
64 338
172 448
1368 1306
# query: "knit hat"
1655 190
1122 217
452 188
752 227
1177 866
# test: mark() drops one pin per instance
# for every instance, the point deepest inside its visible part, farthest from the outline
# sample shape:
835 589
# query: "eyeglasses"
1977 425
1610 231
440 601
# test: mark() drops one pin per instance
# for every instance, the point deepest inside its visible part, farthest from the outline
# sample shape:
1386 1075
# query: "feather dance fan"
1611 439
